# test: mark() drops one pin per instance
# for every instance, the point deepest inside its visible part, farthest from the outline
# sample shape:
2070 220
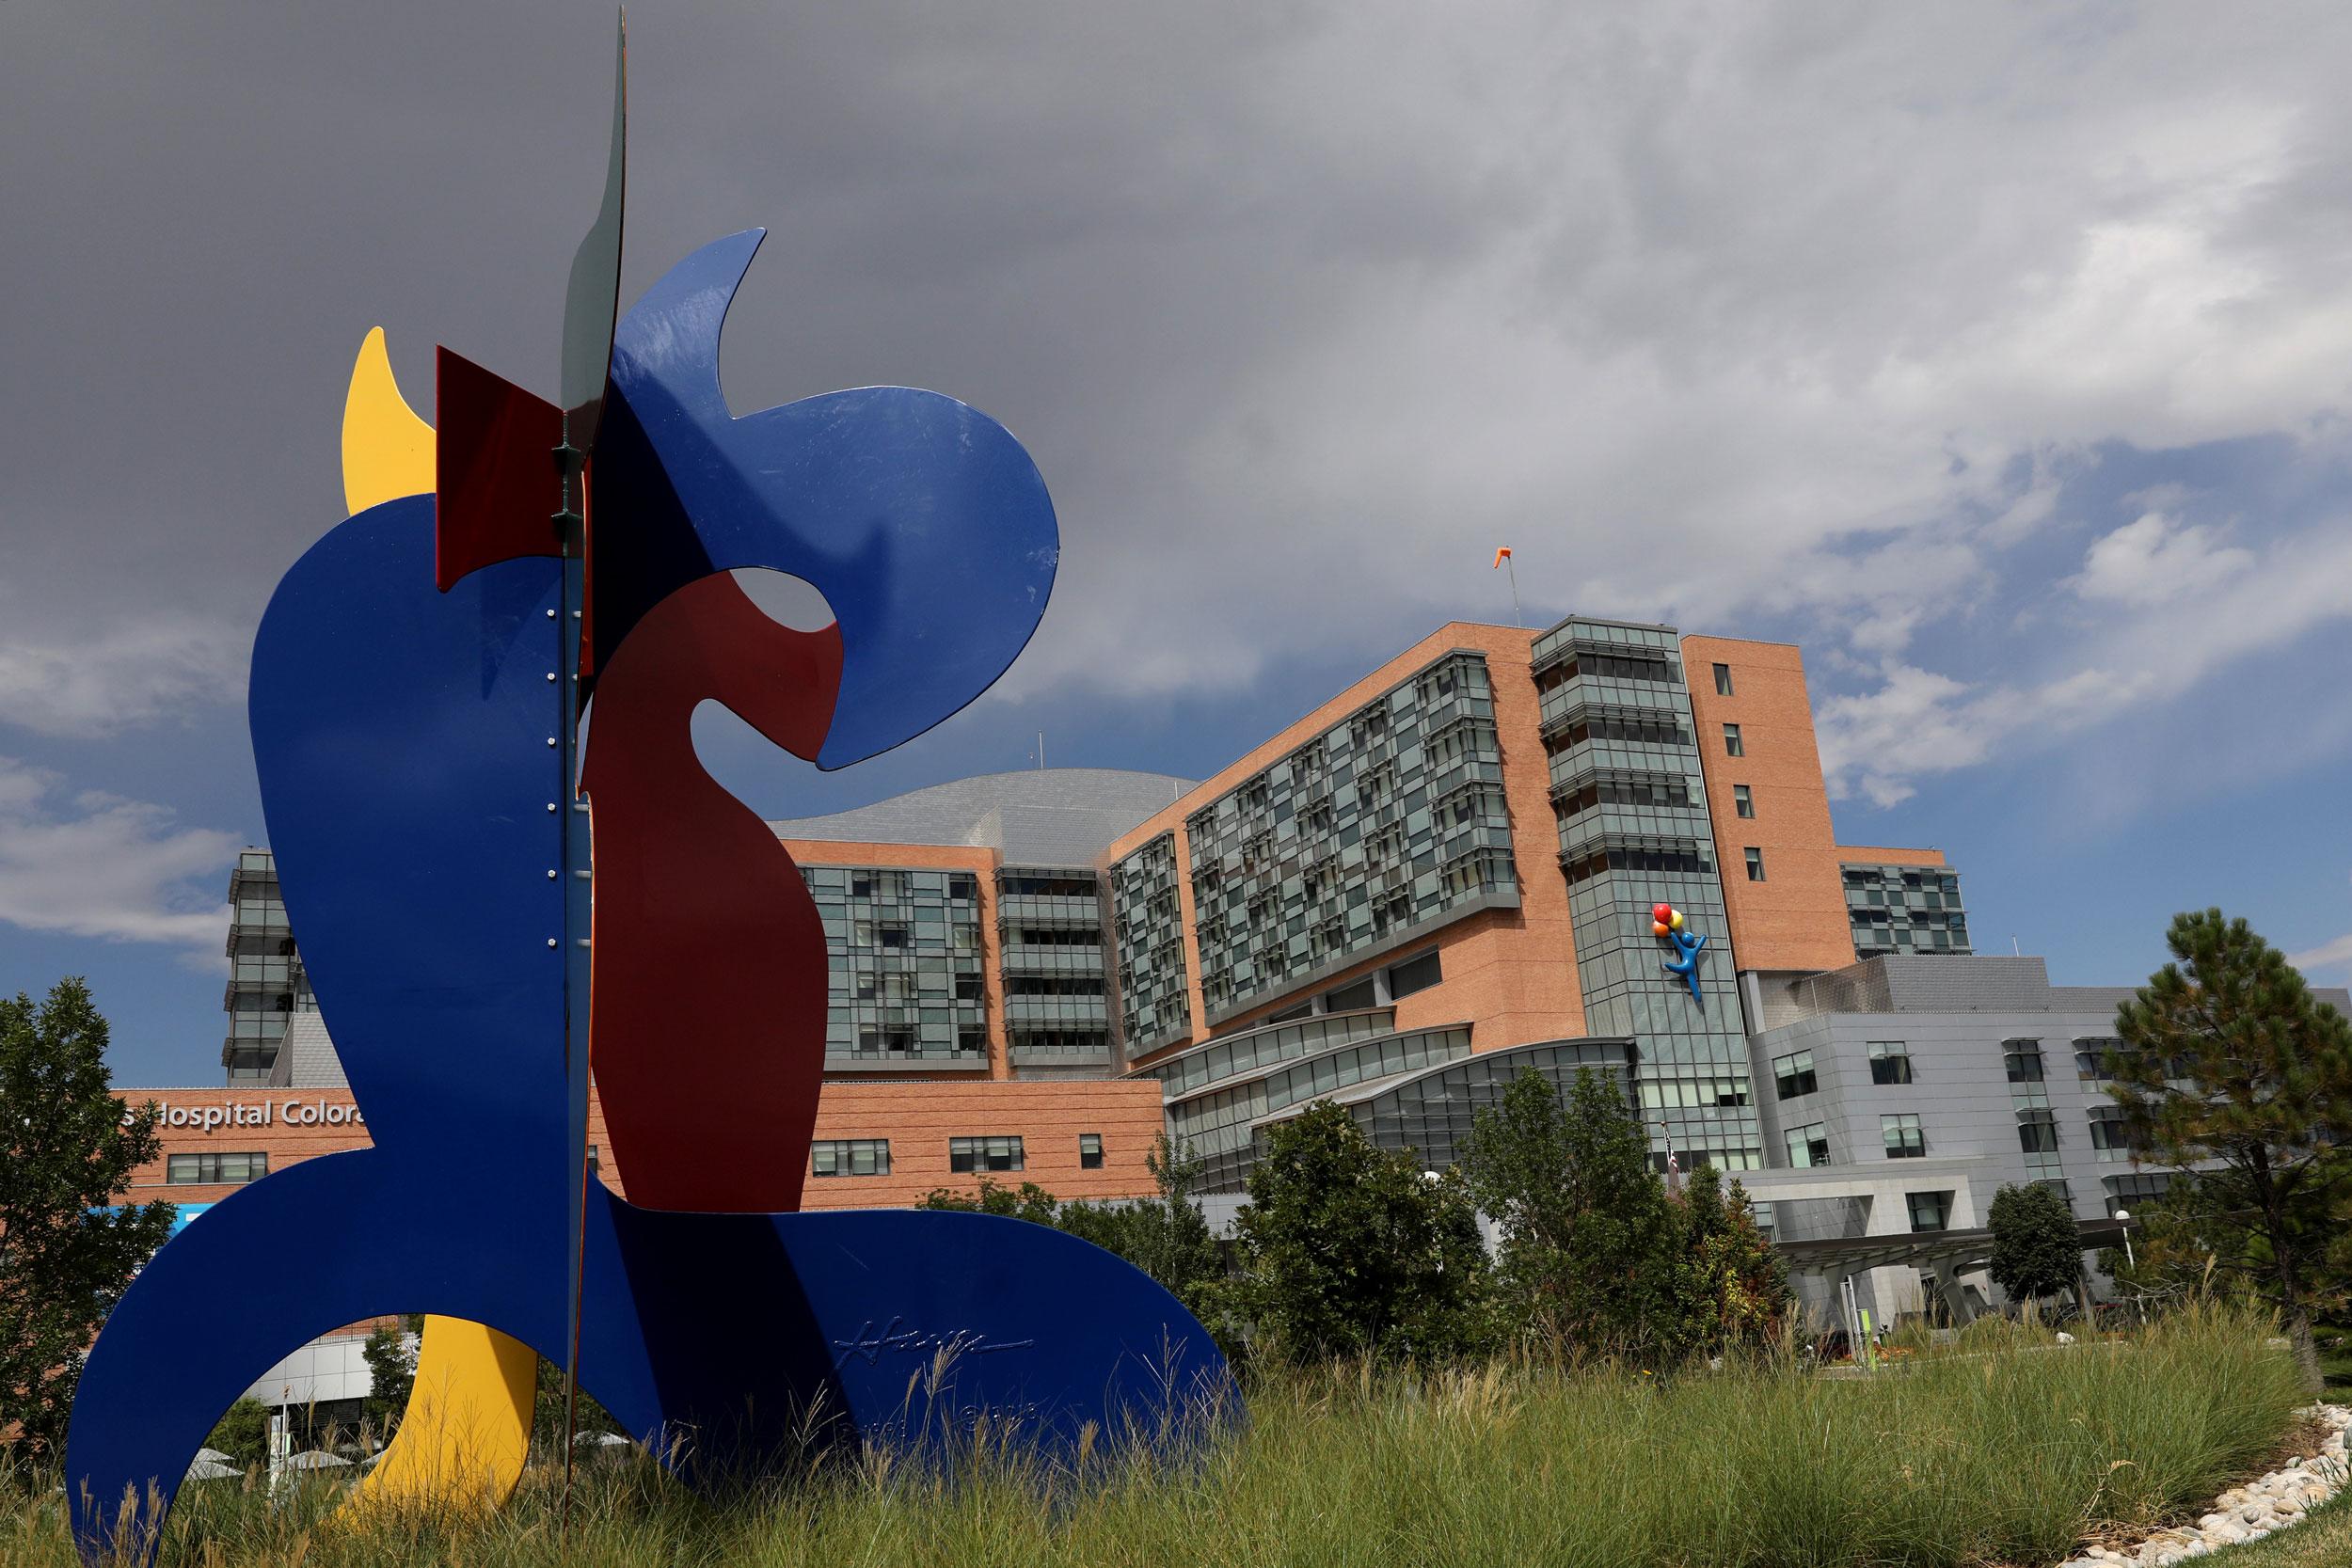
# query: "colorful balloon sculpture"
416 685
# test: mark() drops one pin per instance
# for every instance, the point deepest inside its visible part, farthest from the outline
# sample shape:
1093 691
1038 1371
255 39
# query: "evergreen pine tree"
2229 1063
67 1251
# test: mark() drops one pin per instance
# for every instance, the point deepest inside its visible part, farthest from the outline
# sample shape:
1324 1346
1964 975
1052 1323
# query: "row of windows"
871 1156
1067 1042
1623 790
1053 936
1689 861
1912 880
1047 884
1808 1146
2036 1131
1794 1074
1053 984
959 886
1637 664
205 1170
1650 729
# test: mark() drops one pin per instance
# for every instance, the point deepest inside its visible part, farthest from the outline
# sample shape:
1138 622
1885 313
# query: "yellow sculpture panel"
467 1430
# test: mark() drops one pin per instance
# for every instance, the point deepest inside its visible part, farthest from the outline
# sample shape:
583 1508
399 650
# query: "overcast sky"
1997 355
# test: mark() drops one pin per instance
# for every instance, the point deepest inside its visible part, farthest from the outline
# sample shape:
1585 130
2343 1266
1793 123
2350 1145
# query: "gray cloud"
91 864
1712 312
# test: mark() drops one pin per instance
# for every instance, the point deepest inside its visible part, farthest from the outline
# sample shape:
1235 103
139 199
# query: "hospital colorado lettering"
263 1113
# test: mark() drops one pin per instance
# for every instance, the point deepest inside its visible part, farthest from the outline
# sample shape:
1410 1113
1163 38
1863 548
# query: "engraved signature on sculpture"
869 1343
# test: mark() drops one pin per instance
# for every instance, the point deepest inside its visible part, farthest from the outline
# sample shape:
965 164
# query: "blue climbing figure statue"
1666 921
1686 962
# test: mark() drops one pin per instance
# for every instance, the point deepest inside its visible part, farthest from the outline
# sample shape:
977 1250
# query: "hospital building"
1441 878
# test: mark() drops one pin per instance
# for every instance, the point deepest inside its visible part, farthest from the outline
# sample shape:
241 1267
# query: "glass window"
965 1155
1755 864
849 1157
1741 801
1794 1074
216 1170
1348 998
2131 1192
1890 1062
1732 747
1904 1140
2022 1058
1930 1211
2107 1130
1415 974
2036 1131
1722 680
1090 1151
2091 1059
1808 1146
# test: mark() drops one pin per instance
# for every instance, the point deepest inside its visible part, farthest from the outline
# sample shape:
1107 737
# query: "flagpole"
1504 560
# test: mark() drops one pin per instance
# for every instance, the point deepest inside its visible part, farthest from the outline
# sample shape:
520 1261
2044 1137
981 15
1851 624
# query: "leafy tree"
1166 1235
242 1434
1732 1288
67 1251
391 1357
2230 1063
2036 1247
547 1410
1349 1250
1028 1201
1592 1246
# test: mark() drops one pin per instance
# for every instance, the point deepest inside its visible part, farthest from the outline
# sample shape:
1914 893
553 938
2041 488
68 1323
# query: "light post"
2139 1308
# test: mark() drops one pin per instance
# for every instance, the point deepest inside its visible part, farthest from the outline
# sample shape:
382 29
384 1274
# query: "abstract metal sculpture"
418 681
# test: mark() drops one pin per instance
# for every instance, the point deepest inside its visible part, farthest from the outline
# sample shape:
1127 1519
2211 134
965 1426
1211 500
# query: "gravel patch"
2262 1507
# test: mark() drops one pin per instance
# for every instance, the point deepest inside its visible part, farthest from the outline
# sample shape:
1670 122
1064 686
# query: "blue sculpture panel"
922 521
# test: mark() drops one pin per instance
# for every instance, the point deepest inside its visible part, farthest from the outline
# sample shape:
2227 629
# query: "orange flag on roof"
1501 556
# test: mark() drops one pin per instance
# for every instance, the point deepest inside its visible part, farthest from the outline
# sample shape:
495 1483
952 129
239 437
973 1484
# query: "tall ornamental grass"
2005 1455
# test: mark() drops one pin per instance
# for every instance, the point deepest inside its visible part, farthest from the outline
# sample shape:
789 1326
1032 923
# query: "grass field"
2003 1456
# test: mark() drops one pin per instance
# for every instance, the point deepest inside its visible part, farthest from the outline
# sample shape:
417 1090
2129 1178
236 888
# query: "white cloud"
2157 558
2328 957
93 864
1917 724
124 675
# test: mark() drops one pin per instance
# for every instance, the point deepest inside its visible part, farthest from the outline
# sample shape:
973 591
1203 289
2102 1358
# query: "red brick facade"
918 1119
